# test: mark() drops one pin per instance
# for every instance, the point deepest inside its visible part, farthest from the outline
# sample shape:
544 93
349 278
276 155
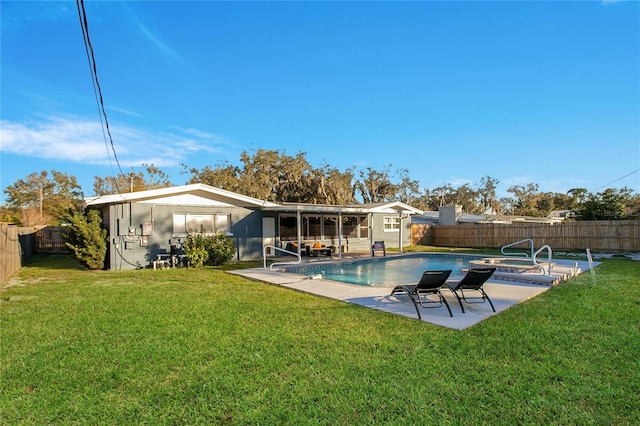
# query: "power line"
627 175
84 25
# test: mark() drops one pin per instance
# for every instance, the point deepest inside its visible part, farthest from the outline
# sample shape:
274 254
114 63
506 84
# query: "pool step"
558 275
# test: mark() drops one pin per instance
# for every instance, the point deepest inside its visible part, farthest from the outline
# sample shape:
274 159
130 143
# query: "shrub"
202 249
86 238
221 249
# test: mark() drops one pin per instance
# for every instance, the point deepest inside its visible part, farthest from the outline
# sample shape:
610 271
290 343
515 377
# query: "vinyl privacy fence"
606 235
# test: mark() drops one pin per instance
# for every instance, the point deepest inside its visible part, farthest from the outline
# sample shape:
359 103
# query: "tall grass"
200 346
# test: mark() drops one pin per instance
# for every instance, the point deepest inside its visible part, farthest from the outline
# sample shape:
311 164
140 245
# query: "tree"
375 186
151 178
333 186
487 195
275 176
86 238
224 176
607 205
44 198
525 199
407 190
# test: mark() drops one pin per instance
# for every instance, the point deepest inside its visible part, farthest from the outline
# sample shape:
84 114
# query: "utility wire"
84 25
627 175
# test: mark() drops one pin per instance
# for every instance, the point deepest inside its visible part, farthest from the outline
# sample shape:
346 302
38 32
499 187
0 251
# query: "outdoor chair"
473 280
430 284
319 249
378 246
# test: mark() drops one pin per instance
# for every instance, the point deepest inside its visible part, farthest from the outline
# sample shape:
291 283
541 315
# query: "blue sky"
524 92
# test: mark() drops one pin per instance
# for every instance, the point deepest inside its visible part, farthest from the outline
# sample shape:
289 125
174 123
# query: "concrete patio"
503 294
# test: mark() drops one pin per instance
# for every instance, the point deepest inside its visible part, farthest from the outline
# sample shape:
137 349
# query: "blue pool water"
386 271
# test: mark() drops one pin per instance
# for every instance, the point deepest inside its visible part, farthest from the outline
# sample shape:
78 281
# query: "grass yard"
187 346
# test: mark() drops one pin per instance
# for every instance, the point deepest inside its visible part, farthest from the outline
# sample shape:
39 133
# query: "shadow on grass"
55 261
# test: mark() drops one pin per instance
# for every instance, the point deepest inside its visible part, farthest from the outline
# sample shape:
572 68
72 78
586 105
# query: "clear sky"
523 92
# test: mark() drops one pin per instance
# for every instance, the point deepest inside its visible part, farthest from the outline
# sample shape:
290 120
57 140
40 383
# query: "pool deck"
503 294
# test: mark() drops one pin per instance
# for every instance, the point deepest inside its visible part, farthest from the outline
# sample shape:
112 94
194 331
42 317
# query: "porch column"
299 231
339 235
370 215
400 233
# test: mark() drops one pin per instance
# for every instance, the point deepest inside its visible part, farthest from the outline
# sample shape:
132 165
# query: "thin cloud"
76 141
205 141
82 141
163 47
197 133
124 111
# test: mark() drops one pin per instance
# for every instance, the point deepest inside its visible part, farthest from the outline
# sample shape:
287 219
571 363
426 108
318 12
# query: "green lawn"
187 346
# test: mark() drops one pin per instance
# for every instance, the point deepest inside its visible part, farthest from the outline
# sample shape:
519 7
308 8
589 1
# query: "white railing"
264 256
549 258
534 254
529 240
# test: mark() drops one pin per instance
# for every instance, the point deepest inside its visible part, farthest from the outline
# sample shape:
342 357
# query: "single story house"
146 226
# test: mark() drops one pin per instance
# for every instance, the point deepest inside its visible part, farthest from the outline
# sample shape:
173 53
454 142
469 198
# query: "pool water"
387 272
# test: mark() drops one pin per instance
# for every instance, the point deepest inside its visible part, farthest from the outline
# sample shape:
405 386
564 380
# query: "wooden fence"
17 245
50 240
605 236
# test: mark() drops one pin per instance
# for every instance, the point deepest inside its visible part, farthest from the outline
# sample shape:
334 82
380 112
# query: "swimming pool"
386 271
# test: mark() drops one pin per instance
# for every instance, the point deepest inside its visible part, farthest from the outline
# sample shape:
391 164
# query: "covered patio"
335 230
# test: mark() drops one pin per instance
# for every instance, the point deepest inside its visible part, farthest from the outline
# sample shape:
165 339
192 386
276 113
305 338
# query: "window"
287 226
312 227
211 223
364 227
350 226
391 223
323 227
355 226
223 223
330 226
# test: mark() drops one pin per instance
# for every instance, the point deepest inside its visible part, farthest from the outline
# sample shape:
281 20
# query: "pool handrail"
529 240
549 257
264 256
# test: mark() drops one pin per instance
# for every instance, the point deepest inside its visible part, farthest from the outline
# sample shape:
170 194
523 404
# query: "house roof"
393 207
199 194
194 194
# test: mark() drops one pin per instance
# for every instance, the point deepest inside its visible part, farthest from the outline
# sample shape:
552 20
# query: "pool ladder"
534 254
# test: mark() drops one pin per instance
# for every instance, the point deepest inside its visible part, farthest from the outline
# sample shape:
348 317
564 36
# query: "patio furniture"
430 284
378 246
473 280
318 249
292 246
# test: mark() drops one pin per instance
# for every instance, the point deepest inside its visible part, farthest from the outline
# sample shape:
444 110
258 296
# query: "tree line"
273 175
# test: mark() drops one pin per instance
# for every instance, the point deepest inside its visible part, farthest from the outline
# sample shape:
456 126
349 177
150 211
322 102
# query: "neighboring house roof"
195 194
562 214
434 218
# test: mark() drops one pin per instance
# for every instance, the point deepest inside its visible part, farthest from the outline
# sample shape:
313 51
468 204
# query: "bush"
221 249
202 249
86 238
